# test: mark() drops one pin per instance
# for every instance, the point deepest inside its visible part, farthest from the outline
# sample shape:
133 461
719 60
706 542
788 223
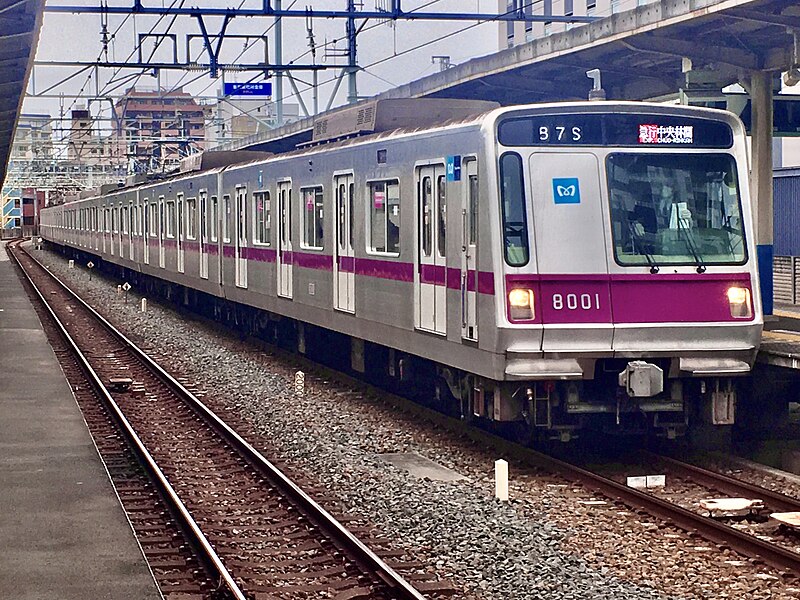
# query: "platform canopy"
20 23
639 52
645 53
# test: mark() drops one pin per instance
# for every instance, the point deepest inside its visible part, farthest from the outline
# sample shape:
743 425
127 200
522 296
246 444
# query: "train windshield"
675 209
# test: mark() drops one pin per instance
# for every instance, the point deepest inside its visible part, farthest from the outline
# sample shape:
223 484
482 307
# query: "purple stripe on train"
631 298
384 269
347 264
259 254
309 260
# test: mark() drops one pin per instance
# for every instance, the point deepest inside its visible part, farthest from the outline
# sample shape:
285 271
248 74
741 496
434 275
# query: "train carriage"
558 266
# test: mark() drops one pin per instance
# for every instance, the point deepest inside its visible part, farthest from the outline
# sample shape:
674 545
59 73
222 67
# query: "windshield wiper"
688 237
654 268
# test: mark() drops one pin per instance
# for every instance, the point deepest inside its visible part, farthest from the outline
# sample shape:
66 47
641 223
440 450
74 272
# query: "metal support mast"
278 61
352 64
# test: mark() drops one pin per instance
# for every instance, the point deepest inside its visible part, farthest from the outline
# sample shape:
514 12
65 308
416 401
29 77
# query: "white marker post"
144 304
501 480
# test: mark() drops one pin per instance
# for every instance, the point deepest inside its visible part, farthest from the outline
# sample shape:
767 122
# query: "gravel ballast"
550 541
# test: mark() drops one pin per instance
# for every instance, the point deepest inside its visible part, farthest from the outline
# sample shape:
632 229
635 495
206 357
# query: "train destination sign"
599 129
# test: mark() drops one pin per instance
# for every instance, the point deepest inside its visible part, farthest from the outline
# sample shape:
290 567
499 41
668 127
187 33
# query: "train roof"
385 119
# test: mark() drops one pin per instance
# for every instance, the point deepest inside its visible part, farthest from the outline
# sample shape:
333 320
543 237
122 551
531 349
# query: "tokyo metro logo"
566 190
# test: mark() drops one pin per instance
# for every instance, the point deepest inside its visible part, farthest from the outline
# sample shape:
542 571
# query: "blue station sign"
263 88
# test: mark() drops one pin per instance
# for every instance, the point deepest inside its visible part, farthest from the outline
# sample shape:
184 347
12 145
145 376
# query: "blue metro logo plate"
566 190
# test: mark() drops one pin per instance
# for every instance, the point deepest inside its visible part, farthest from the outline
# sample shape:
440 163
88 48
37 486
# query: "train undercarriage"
561 410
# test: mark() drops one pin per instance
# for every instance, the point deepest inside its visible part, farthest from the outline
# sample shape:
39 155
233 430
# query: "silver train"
556 267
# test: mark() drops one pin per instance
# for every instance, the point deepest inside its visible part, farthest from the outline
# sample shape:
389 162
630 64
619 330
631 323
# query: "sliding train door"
146 229
284 259
162 224
179 235
469 251
203 237
240 247
431 272
344 277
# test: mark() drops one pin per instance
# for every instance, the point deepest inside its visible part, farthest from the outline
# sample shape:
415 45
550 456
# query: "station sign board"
263 88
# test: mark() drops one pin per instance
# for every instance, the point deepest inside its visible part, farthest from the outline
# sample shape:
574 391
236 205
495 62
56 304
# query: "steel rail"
687 520
691 522
327 523
724 483
189 525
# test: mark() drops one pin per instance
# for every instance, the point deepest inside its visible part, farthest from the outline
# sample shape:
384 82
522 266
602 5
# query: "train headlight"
739 301
520 304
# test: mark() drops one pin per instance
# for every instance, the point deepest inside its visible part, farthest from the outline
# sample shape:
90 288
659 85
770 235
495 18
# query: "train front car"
631 300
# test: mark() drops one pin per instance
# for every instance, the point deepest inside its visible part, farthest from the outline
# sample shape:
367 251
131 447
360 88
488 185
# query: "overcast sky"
386 53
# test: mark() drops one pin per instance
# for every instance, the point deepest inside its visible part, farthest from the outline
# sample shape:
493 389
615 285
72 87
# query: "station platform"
63 533
780 342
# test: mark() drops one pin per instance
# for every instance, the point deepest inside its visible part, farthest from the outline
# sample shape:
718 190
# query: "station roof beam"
20 22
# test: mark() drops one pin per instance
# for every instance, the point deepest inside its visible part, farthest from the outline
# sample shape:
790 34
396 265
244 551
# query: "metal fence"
10 233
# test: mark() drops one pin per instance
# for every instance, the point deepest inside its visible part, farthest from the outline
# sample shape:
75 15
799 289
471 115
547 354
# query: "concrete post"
761 179
501 480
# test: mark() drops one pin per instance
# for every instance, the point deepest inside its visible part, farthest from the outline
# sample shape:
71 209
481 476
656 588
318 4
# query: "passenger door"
568 213
132 224
285 239
344 277
431 272
162 224
241 237
203 237
179 235
469 251
147 225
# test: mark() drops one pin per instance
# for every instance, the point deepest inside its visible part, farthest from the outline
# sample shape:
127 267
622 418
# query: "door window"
384 224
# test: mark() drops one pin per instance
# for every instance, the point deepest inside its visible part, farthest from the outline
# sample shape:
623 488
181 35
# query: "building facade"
155 128
515 33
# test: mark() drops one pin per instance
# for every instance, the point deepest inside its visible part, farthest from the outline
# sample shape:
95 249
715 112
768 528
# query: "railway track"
256 532
706 527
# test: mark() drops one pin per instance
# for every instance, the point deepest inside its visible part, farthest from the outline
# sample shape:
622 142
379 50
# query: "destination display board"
607 129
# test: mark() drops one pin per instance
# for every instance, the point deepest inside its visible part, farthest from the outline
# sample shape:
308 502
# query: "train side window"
342 208
153 219
214 218
441 220
473 209
191 218
384 222
512 200
351 202
263 208
427 220
170 218
241 214
226 218
313 213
